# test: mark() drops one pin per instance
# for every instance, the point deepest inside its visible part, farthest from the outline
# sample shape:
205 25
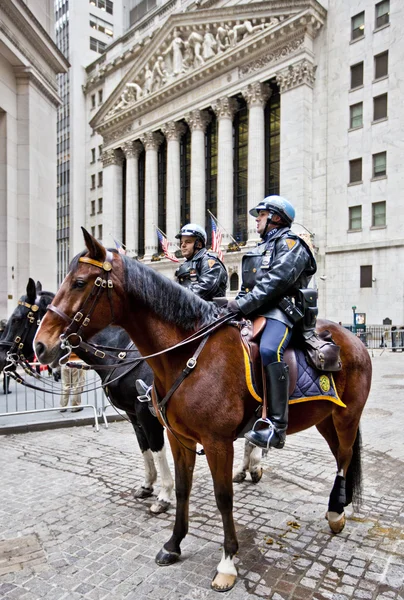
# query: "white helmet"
193 230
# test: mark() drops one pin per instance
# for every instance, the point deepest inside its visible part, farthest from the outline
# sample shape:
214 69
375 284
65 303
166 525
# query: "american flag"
119 247
164 245
216 239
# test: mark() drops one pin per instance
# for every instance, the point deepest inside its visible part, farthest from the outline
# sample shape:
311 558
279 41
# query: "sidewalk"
71 529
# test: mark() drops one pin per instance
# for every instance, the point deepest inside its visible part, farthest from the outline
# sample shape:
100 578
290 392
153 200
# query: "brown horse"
212 405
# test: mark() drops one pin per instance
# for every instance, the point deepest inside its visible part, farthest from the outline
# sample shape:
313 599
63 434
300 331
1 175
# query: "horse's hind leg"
220 458
184 460
251 462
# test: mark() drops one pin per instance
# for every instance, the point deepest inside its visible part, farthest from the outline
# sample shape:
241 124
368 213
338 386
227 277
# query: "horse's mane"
166 298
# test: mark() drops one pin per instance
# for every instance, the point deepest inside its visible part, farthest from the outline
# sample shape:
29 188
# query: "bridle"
15 347
72 337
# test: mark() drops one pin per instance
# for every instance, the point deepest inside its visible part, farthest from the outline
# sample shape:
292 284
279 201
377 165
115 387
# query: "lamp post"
353 316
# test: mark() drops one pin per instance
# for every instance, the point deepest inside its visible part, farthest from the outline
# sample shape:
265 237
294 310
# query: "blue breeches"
275 338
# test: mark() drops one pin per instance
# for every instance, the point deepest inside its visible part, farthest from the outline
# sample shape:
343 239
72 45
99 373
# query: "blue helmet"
278 205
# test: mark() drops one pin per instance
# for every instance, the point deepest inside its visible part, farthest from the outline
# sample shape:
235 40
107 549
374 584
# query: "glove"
233 307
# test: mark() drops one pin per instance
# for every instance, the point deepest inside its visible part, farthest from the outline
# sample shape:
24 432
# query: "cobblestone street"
66 494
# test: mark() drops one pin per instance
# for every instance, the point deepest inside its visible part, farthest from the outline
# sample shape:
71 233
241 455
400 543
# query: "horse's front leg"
184 461
251 462
150 472
220 455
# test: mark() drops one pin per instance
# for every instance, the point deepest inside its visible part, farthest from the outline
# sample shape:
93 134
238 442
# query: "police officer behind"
273 272
202 272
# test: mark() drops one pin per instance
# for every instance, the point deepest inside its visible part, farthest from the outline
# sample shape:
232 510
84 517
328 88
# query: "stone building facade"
213 105
29 62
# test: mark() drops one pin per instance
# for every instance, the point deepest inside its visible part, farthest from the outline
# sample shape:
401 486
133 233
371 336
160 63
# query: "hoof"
256 475
161 506
143 492
336 521
223 582
239 477
165 558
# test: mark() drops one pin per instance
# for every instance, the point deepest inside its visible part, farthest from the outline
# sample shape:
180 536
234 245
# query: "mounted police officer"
273 273
202 272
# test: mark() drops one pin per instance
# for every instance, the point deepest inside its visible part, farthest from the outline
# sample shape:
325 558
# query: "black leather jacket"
279 266
204 274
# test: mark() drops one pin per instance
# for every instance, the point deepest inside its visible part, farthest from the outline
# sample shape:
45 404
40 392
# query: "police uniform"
277 268
204 275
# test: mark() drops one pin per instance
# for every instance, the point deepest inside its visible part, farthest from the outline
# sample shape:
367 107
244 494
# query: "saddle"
321 353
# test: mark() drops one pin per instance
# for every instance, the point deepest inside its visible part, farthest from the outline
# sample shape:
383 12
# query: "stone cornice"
269 38
297 74
272 57
28 74
30 28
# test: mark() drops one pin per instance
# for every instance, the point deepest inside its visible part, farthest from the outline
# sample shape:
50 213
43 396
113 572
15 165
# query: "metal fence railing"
23 406
379 336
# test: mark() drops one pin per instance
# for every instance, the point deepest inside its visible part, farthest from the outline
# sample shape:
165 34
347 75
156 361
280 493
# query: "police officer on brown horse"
273 273
202 272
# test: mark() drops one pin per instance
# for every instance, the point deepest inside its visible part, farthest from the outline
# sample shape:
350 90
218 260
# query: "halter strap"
33 307
102 265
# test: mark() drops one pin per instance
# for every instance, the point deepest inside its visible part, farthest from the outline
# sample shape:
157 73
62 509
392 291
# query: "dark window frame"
185 177
380 173
380 105
240 171
140 250
211 158
356 75
162 188
352 125
381 65
384 18
358 32
366 276
272 141
352 218
355 166
376 216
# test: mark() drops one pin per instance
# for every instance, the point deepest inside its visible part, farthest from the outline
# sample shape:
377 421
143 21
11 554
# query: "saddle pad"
311 384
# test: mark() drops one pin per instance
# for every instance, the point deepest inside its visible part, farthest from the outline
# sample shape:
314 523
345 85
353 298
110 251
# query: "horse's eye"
80 284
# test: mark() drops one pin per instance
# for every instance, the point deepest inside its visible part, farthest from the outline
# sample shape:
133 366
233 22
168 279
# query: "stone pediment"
191 45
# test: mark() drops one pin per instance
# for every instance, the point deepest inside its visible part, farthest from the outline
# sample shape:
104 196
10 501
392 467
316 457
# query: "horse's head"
85 303
22 325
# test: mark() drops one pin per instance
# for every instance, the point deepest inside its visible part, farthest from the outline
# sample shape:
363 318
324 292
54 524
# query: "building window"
355 218
358 26
92 100
99 206
380 107
141 8
382 13
101 25
92 155
211 174
272 142
382 65
366 276
356 115
140 250
100 96
100 179
355 170
93 231
97 46
100 151
185 170
379 165
100 232
92 213
240 143
106 5
356 75
92 182
378 214
234 282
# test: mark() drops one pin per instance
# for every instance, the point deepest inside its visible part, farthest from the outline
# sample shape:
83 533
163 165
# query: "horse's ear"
38 287
96 250
31 291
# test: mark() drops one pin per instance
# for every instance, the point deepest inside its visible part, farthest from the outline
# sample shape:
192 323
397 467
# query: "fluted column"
225 109
198 121
112 213
256 96
151 141
173 132
132 151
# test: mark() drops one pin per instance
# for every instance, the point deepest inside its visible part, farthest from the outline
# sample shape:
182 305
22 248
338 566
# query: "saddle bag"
322 352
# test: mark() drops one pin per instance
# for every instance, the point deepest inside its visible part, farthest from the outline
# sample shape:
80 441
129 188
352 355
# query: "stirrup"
269 424
269 430
146 395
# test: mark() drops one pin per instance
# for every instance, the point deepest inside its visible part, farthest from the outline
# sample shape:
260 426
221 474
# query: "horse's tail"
353 481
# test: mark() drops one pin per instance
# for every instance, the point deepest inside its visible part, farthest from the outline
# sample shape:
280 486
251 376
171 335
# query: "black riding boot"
272 432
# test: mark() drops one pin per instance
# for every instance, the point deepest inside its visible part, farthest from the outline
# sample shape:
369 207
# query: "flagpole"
221 227
169 241
119 242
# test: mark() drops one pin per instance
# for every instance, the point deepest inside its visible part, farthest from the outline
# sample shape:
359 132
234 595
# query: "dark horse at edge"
213 404
122 392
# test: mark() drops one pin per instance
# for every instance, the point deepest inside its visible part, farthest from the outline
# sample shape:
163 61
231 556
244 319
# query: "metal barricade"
24 406
380 337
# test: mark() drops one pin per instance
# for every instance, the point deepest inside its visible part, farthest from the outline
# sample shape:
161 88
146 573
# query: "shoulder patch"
211 262
290 243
